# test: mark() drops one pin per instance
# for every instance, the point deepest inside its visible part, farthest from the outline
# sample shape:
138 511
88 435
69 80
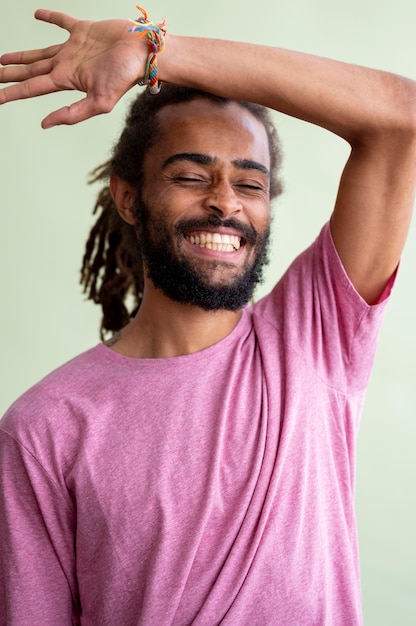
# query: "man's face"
204 218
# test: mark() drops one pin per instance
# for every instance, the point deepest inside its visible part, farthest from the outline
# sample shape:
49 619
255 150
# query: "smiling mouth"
215 241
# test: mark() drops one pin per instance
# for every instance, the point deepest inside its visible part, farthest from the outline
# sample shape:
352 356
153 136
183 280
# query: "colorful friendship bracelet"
155 35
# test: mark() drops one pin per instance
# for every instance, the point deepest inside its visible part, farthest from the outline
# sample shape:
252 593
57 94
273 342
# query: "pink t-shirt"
211 488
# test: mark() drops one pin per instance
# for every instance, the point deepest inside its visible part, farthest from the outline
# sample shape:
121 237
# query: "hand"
101 59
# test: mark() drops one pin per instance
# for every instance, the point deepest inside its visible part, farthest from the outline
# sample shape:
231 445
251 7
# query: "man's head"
141 132
195 166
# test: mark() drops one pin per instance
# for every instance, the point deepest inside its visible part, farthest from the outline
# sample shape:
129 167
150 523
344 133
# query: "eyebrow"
205 159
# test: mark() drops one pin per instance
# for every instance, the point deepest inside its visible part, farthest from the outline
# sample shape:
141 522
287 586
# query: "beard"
191 282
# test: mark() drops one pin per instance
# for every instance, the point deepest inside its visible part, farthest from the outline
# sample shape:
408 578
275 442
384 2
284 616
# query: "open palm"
101 59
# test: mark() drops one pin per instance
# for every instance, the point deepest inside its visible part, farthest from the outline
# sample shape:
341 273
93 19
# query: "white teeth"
216 241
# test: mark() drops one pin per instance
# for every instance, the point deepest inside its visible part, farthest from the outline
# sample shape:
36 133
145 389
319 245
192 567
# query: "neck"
163 328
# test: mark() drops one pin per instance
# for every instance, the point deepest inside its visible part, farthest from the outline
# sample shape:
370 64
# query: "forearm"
352 101
105 60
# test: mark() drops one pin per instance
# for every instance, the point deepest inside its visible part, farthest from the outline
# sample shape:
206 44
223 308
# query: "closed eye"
250 186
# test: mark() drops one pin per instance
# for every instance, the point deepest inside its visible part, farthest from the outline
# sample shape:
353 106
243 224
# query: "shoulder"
319 315
317 281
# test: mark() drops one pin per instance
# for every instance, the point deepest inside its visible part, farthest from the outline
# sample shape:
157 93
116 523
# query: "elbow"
400 114
390 117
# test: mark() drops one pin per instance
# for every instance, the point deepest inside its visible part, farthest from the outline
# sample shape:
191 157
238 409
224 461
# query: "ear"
123 195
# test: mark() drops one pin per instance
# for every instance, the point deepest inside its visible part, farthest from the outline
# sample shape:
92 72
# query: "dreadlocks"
112 267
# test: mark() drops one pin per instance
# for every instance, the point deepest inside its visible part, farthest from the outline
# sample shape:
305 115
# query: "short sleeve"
320 315
37 562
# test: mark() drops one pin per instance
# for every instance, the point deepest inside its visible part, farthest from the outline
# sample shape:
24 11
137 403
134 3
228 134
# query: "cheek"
175 207
161 221
260 216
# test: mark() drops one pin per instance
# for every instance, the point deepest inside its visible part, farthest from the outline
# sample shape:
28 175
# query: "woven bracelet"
155 35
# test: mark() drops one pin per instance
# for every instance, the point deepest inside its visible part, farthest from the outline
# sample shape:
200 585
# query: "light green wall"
46 214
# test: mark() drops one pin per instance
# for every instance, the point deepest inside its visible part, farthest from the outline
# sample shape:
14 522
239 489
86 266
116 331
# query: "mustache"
212 221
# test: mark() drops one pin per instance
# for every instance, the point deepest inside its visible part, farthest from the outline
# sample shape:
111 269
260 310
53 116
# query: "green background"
46 213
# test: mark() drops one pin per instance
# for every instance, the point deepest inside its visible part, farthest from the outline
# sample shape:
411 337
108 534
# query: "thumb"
79 111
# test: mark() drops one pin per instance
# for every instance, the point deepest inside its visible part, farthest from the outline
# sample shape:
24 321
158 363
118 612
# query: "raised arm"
374 111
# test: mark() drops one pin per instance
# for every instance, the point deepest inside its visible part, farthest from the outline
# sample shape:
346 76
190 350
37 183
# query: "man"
200 469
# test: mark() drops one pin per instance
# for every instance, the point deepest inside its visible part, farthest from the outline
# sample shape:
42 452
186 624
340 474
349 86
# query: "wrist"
154 36
173 63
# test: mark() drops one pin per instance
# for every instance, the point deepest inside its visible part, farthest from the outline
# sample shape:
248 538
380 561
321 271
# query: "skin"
230 182
374 111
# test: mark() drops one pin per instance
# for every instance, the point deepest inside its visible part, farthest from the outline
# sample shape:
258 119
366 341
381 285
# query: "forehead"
227 132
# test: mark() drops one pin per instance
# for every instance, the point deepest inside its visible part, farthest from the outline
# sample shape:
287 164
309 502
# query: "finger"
38 86
19 73
63 20
79 111
29 56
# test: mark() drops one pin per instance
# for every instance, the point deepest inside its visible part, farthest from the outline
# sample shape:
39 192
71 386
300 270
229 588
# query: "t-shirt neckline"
240 328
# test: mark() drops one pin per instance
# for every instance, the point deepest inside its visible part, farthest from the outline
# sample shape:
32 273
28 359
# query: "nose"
222 199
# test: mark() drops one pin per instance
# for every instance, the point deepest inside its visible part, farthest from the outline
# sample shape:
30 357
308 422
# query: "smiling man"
202 217
199 467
